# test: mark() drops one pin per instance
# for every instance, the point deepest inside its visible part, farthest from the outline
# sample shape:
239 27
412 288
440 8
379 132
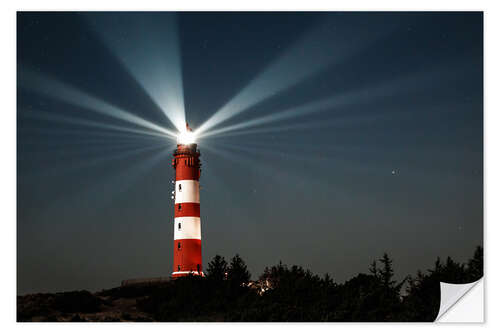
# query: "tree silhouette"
282 293
237 272
387 272
217 268
423 292
373 268
372 297
475 265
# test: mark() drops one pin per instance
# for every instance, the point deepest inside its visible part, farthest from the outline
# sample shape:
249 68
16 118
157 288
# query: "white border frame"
8 142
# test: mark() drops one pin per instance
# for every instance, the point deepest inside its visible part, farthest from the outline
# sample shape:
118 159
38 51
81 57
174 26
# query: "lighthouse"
187 224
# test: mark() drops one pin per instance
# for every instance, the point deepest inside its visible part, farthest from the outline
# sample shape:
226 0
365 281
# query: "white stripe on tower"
187 191
187 227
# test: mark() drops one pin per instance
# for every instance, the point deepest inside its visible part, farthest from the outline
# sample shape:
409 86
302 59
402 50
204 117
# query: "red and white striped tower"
187 225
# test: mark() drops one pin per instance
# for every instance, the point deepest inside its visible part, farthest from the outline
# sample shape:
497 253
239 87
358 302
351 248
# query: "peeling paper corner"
461 303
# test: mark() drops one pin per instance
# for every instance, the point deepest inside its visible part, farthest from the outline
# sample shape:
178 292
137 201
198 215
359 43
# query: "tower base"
187 273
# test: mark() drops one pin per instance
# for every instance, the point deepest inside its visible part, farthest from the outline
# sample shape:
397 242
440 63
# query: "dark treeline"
280 293
284 293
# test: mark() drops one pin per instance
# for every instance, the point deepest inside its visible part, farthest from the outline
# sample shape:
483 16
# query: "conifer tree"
238 272
475 265
217 268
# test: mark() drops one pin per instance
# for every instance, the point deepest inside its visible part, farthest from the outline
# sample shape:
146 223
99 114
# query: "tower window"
179 227
179 268
179 246
180 187
180 207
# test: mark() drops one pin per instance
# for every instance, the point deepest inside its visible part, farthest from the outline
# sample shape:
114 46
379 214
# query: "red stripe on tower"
187 224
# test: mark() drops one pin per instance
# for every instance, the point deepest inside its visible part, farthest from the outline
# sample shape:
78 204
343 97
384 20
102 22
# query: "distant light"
186 138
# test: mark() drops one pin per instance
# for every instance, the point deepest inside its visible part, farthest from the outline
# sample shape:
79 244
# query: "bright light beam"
290 113
147 44
100 142
390 88
71 95
327 104
315 51
274 129
335 123
51 116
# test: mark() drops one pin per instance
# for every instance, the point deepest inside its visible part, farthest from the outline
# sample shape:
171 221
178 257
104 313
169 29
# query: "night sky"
355 134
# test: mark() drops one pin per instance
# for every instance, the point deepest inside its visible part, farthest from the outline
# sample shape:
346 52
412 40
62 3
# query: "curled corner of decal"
461 303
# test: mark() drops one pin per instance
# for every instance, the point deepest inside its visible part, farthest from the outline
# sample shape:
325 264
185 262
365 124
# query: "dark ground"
79 306
280 294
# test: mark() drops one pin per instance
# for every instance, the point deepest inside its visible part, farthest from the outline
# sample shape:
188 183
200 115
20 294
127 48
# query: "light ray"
314 52
106 190
391 88
311 160
147 44
71 136
301 149
286 114
120 182
276 174
54 117
88 161
275 129
102 143
60 91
